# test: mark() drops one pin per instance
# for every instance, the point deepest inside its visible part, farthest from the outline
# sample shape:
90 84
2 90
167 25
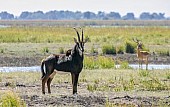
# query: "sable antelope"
142 55
71 62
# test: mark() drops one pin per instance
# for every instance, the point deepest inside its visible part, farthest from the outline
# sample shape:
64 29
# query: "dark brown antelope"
142 55
71 62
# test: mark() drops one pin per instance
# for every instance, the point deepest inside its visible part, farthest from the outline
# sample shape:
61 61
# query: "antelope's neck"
138 52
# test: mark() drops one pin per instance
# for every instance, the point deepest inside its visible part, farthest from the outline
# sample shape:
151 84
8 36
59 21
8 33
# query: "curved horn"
77 34
135 40
82 35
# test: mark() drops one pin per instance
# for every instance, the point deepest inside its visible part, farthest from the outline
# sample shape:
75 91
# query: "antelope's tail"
42 69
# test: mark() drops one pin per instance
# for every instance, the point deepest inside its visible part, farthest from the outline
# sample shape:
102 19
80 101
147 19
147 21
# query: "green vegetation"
108 49
110 40
124 65
130 47
1 50
168 75
10 99
45 50
120 50
99 62
114 35
163 52
143 73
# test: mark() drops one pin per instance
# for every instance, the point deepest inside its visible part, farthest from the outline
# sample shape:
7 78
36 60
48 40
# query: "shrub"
108 49
124 65
105 62
90 63
9 99
98 62
129 47
120 50
2 50
164 52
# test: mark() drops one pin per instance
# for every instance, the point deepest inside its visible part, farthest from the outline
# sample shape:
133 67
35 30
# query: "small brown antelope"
71 62
142 55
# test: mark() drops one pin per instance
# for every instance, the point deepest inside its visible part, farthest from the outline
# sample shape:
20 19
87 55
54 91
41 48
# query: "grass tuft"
108 49
10 99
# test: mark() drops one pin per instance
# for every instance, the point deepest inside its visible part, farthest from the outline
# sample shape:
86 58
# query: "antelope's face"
80 46
139 46
139 43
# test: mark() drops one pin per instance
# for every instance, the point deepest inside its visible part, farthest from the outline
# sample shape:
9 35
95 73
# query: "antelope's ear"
75 40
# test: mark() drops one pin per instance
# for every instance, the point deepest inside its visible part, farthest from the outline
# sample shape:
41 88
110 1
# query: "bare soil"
61 96
13 60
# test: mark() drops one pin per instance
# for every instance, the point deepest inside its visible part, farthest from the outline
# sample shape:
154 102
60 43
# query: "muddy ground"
13 60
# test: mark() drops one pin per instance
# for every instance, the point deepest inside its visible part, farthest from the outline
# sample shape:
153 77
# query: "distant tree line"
78 15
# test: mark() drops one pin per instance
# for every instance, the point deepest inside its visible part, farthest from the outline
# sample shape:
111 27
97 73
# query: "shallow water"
150 66
24 69
37 68
3 26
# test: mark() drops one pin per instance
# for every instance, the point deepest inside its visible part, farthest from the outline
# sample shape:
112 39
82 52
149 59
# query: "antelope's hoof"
43 93
75 93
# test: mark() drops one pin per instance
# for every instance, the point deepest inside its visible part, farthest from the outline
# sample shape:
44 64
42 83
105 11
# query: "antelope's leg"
74 82
139 63
48 84
44 80
147 63
72 77
49 81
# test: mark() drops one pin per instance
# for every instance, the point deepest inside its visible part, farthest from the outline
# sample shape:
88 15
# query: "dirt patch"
61 96
64 100
36 60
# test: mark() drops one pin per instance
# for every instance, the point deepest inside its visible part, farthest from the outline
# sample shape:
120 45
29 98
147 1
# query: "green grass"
99 62
33 41
108 49
10 99
115 36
